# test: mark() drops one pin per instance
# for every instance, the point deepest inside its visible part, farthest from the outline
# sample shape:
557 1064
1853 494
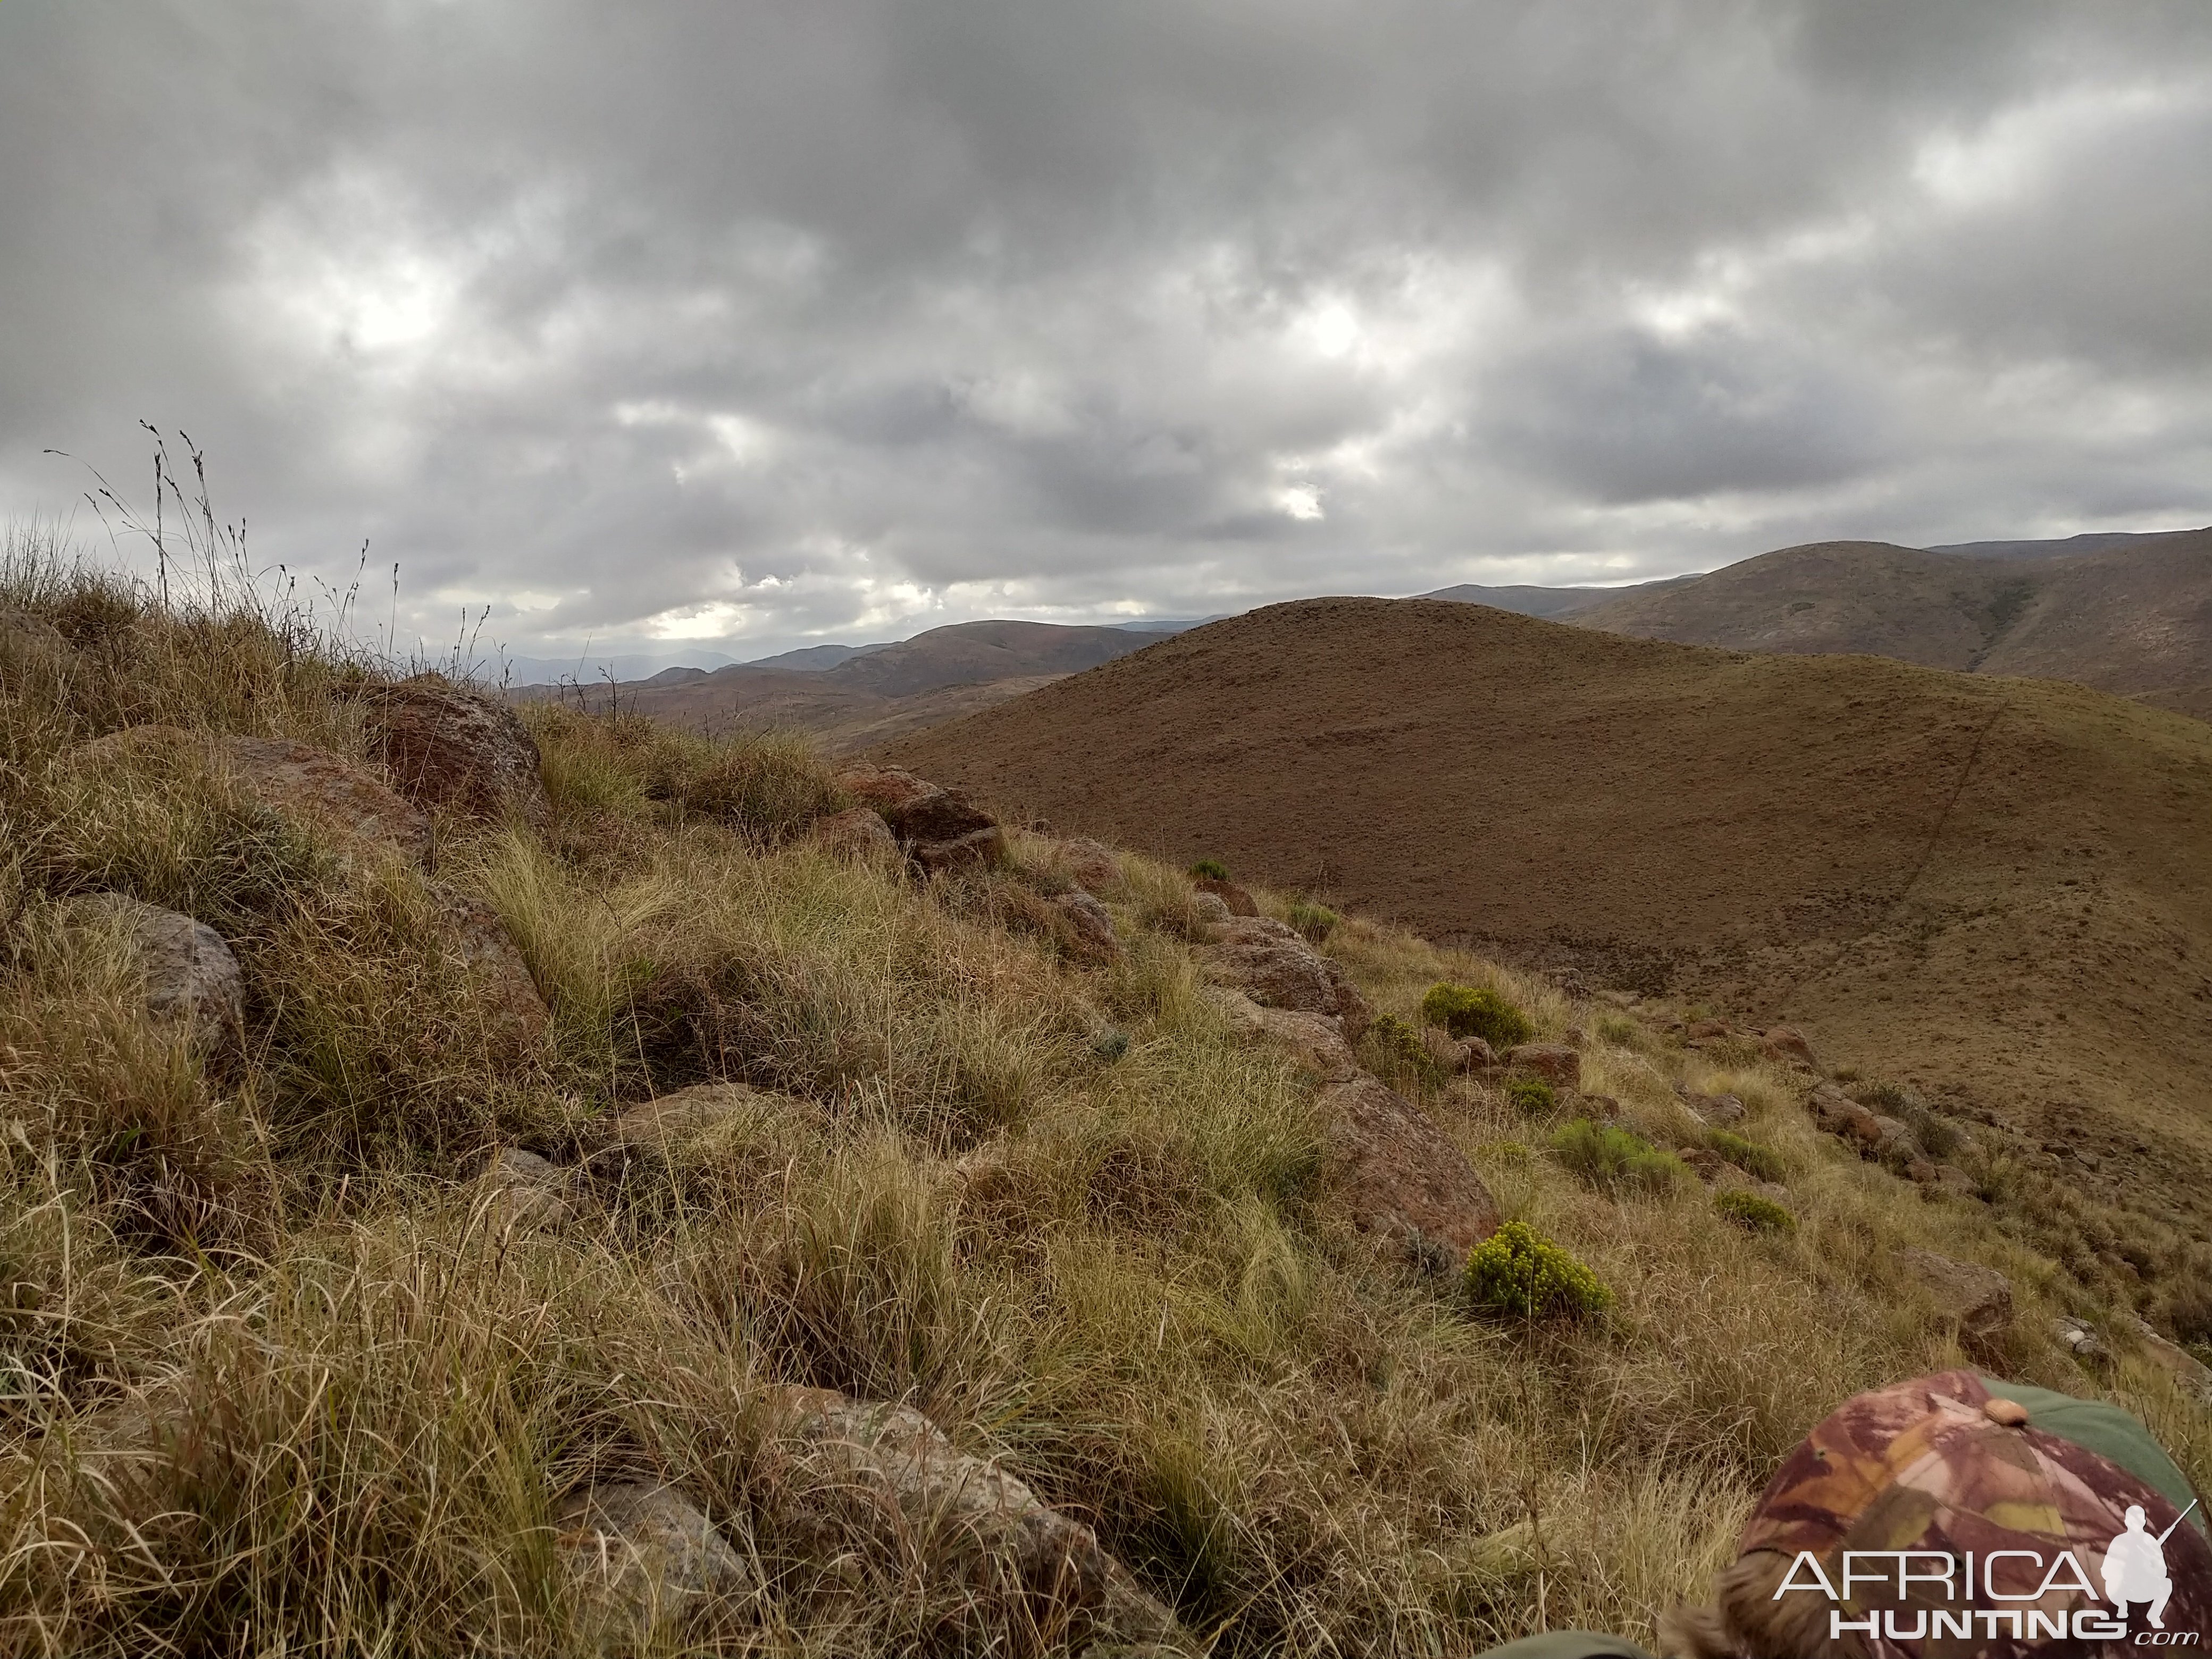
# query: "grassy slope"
2002 888
1109 1271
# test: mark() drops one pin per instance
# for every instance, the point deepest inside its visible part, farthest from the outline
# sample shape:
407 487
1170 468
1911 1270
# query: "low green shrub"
1400 1050
1622 1032
1512 1153
1531 1096
1614 1159
1518 1273
1315 921
1476 1011
1209 870
1748 1156
1753 1213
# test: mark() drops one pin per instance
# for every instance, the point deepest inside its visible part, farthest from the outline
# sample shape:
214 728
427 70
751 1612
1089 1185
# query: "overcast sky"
682 325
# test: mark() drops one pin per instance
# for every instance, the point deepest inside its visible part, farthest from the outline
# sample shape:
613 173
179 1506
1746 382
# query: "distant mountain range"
868 694
2129 614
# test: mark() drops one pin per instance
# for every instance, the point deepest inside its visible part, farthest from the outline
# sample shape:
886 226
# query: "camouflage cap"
1944 1467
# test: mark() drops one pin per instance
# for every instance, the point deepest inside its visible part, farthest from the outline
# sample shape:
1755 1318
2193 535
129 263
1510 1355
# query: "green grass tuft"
1614 1159
1468 1011
1753 1213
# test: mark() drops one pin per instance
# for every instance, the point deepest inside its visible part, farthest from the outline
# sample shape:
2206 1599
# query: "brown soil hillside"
1999 888
2135 619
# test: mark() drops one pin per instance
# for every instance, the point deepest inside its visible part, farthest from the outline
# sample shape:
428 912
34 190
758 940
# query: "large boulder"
637 1555
444 746
192 977
971 1520
1277 969
1979 1298
1398 1175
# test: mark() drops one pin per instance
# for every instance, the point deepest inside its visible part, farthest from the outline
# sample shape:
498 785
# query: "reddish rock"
1397 1174
940 829
885 788
1276 967
446 747
1710 1165
1787 1044
859 834
1705 1029
1558 1064
1239 902
1721 1109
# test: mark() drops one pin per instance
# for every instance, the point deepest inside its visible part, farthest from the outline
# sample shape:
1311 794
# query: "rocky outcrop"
1844 1118
1557 1064
1979 1298
969 1518
2190 1372
940 829
445 747
1723 1110
192 977
1276 967
637 1557
1399 1176
859 834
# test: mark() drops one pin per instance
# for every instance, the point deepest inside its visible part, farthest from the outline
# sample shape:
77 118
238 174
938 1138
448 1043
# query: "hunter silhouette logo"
2135 1566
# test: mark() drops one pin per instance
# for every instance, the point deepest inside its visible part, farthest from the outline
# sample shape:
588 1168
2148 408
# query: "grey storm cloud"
695 326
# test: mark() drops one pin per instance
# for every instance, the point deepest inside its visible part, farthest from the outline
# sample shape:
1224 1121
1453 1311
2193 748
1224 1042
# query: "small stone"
973 851
1722 1109
1209 908
639 1555
1092 863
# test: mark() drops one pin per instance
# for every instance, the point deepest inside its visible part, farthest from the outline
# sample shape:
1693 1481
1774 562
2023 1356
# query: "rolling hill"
871 693
1972 880
2133 616
1530 601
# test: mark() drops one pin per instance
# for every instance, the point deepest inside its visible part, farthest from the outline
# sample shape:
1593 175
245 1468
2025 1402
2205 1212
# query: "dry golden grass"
278 1374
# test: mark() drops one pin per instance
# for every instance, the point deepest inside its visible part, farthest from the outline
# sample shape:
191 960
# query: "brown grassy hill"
934 677
2002 887
2135 618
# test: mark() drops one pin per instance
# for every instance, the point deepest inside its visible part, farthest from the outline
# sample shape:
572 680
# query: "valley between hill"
2001 889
